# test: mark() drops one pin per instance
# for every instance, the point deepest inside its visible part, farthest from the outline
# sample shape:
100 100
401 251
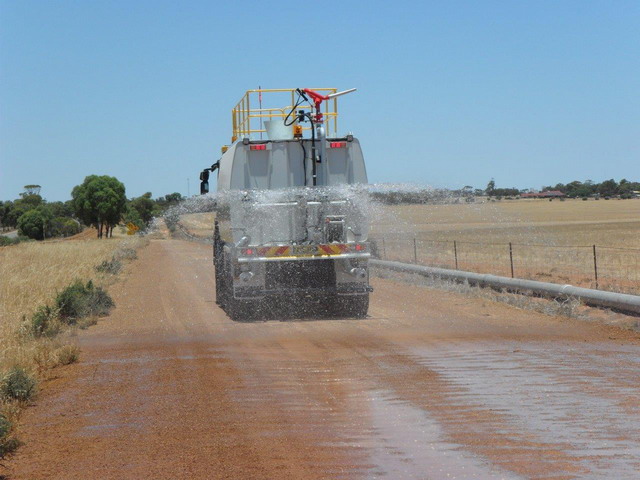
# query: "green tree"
32 200
61 209
168 200
36 223
5 210
608 188
491 186
64 227
31 190
132 216
100 201
145 207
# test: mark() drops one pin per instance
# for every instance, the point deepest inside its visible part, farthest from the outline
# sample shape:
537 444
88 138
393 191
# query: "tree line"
100 202
609 188
588 188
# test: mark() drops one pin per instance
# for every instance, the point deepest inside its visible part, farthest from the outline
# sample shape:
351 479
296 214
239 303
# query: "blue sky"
450 93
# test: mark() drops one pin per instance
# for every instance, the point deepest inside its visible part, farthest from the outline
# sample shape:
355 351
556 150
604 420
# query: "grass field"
32 273
551 241
610 222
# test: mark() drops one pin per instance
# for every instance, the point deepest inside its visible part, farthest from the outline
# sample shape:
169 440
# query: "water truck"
291 216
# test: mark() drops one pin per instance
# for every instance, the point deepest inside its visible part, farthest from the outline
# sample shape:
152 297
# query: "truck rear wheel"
354 306
218 262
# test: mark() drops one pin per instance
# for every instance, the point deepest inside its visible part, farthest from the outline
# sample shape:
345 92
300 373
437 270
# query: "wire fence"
591 266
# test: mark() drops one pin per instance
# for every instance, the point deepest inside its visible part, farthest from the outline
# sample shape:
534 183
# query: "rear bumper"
251 293
302 257
278 253
319 276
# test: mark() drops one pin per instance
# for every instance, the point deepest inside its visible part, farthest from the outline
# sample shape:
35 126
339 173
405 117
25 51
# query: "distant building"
548 194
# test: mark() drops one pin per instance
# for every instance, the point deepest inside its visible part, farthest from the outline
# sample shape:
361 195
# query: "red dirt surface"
430 385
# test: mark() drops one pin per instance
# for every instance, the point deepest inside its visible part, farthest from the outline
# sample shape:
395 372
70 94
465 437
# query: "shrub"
64 227
5 427
6 444
17 384
125 253
36 223
44 322
67 355
79 300
111 267
5 241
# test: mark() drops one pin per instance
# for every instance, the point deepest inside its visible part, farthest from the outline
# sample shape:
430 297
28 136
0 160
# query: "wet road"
433 385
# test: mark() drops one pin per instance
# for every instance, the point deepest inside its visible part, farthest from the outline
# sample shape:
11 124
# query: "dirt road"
432 385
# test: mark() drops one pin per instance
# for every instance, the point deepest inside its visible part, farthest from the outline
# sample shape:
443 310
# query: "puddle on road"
578 398
408 444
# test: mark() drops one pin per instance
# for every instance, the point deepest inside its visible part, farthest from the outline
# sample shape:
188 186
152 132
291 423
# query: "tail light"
338 144
261 146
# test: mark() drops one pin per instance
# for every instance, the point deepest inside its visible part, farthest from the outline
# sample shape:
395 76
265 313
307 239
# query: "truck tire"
353 306
218 262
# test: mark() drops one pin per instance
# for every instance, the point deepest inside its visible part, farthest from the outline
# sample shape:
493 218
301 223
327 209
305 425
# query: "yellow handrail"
247 121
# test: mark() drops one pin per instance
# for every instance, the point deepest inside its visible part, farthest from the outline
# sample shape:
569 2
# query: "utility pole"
188 189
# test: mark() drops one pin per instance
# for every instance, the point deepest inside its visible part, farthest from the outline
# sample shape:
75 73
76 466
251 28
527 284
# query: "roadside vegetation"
99 201
48 291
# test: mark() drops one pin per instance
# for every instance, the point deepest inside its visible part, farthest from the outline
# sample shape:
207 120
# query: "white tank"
266 194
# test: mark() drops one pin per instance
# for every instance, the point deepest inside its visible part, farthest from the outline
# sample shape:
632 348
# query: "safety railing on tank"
249 114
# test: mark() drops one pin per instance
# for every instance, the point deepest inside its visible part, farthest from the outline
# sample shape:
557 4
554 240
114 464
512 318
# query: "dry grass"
551 240
32 273
199 224
606 222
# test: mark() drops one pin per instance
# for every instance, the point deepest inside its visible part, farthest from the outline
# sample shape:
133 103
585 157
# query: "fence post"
595 265
384 250
511 258
455 253
415 251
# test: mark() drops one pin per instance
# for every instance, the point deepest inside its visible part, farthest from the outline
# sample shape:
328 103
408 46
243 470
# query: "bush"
79 300
17 384
5 241
36 223
67 355
6 444
64 227
5 427
126 253
44 322
112 266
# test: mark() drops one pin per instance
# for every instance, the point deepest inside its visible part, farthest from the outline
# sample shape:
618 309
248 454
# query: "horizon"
404 186
524 94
